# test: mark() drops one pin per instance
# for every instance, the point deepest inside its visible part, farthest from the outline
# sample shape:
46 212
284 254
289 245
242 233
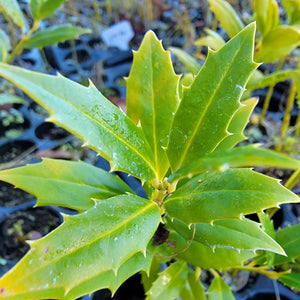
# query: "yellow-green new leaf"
86 113
208 105
13 10
277 43
212 40
267 15
84 247
227 16
292 8
152 96
230 194
186 59
65 183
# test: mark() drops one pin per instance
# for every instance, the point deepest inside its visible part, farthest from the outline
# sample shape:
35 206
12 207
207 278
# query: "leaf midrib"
189 142
60 181
102 236
120 138
180 197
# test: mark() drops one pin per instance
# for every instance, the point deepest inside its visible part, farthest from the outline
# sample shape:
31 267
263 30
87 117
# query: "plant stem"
293 180
20 46
297 125
261 270
288 109
96 10
269 94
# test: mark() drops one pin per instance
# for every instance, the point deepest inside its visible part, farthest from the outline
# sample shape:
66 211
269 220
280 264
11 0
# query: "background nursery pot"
180 141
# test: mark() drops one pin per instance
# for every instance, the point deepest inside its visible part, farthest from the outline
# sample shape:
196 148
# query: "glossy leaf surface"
152 96
170 282
244 156
219 290
138 262
14 11
4 45
208 105
53 35
42 9
65 183
277 43
292 280
222 195
193 289
231 234
238 124
227 16
289 239
84 247
267 15
200 255
85 112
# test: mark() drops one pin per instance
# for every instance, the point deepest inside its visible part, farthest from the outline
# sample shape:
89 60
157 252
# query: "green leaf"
212 40
244 156
277 43
292 8
186 59
227 16
238 124
231 234
65 183
85 112
13 10
9 98
272 79
222 195
169 283
4 45
193 289
109 279
152 274
84 247
152 96
292 280
200 255
53 35
219 290
42 9
289 239
267 15
208 105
